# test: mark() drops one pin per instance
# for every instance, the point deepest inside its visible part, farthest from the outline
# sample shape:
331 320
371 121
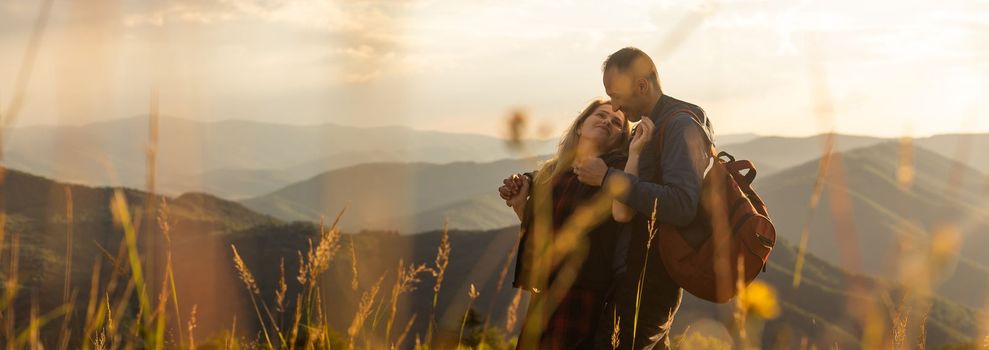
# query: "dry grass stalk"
252 287
513 310
282 288
317 260
100 342
121 215
814 201
32 330
192 328
405 282
922 336
442 261
229 342
405 333
164 224
69 218
651 225
109 327
245 274
363 310
616 330
900 326
473 294
320 326
741 305
508 262
294 335
117 317
439 271
92 318
354 282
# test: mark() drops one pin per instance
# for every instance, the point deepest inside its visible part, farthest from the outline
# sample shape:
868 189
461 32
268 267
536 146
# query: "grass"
131 304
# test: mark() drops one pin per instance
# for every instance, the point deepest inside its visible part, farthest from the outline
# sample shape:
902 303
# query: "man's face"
620 87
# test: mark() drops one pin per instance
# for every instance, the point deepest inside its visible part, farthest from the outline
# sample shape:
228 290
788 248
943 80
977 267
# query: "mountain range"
875 223
244 159
232 159
886 208
883 214
205 227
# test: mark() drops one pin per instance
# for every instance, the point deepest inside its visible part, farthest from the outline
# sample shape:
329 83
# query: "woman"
568 233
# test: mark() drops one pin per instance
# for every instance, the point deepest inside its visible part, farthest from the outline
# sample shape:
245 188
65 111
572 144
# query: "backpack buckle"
725 154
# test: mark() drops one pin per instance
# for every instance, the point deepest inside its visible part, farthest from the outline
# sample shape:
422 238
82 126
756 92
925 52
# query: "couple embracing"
585 253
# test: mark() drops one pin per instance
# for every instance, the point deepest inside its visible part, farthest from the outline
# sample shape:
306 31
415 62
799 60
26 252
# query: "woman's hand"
518 200
511 187
641 137
643 133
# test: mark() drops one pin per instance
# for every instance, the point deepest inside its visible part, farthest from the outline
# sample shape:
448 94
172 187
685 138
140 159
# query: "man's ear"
642 84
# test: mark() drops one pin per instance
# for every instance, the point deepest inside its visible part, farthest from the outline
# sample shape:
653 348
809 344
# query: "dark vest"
667 106
635 235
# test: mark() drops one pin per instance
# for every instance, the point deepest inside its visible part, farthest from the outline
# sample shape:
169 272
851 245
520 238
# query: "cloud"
358 36
362 77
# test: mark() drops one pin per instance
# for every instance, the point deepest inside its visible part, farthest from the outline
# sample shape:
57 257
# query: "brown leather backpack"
728 243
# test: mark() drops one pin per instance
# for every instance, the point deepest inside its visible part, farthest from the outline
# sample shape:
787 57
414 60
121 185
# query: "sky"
772 67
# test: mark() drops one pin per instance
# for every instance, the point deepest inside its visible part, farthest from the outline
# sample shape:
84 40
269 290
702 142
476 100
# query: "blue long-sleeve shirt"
685 157
672 179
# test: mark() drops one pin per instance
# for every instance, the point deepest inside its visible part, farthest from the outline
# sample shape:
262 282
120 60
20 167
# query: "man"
670 177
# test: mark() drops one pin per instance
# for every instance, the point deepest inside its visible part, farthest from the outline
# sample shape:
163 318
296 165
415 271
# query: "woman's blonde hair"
567 150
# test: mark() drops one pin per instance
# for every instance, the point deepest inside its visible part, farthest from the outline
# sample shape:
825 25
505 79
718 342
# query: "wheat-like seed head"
163 220
354 282
616 331
408 278
442 259
192 327
318 258
282 288
472 293
513 310
245 274
363 310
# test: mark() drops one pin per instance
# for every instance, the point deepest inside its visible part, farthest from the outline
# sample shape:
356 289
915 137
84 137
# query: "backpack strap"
733 165
739 165
662 131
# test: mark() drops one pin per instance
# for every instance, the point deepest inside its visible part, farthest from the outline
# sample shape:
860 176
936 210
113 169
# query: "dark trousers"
658 304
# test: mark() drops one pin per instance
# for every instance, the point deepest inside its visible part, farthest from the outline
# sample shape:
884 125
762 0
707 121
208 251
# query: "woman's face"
603 127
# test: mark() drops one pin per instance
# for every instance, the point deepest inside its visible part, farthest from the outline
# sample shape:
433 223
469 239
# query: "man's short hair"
623 60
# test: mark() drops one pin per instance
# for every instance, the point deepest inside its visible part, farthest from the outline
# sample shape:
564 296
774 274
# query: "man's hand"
511 187
590 170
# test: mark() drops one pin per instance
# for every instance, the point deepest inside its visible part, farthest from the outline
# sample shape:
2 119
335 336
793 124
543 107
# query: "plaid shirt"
568 194
568 326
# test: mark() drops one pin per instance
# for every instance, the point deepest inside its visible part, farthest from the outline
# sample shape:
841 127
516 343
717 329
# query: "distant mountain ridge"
232 159
239 159
792 153
393 195
886 215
